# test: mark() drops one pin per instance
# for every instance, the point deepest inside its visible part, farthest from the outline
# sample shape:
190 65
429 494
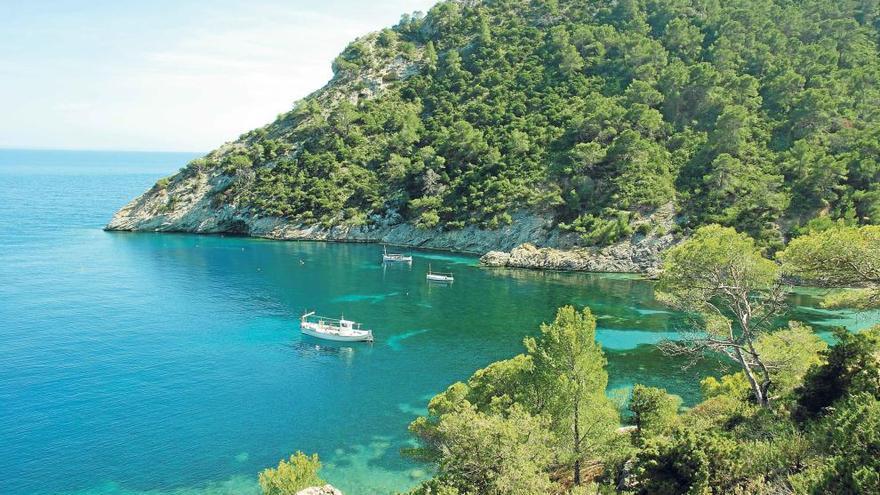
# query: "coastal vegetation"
793 415
798 416
756 122
756 115
292 475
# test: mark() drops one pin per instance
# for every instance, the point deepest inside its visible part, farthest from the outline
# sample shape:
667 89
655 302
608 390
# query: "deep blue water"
165 363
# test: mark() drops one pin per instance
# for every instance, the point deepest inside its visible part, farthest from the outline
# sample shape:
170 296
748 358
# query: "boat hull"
394 259
440 278
337 338
358 336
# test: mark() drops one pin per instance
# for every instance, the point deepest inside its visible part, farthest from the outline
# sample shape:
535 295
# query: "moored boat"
338 329
394 257
439 276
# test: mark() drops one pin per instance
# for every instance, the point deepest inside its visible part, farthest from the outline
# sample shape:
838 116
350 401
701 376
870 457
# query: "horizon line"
99 150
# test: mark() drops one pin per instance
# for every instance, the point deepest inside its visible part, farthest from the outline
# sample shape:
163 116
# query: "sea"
158 364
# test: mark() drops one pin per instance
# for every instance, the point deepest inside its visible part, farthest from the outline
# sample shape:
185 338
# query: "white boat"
394 257
340 329
439 276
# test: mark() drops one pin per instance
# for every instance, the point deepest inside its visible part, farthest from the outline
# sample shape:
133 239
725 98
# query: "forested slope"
756 114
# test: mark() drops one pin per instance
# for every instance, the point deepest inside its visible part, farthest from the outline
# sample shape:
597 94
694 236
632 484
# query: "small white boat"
340 329
394 257
439 276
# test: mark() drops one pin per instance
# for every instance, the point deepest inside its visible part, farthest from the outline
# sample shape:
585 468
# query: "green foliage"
687 463
495 455
734 386
694 269
851 436
434 487
513 427
234 164
839 256
555 392
654 411
851 366
570 373
162 183
732 292
602 230
356 55
197 166
291 476
788 354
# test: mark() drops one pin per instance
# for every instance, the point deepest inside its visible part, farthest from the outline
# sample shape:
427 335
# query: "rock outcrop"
320 490
637 255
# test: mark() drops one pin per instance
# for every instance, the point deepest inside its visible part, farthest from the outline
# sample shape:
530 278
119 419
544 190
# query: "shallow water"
166 363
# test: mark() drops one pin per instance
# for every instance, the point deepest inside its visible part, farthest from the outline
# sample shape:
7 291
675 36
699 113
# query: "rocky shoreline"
188 203
192 202
528 242
641 256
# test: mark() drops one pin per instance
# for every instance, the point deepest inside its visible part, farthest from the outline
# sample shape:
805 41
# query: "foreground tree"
654 411
291 476
570 370
788 354
732 292
495 455
841 256
552 396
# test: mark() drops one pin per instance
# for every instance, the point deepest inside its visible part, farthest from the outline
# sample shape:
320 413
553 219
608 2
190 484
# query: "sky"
167 75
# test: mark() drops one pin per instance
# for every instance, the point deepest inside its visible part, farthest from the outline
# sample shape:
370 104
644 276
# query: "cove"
173 364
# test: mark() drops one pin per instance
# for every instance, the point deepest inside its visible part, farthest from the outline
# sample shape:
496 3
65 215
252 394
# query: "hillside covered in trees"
755 114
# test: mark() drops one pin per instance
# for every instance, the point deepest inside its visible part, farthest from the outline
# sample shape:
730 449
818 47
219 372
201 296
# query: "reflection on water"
311 347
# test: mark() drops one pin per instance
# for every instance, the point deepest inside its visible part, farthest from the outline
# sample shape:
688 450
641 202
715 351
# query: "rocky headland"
217 194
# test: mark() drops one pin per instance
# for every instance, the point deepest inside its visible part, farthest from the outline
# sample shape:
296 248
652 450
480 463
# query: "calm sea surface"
172 364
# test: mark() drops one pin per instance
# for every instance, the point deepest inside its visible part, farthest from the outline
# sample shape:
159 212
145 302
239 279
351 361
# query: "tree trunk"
760 395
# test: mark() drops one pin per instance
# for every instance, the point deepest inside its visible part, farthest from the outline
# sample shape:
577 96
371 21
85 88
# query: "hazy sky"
167 74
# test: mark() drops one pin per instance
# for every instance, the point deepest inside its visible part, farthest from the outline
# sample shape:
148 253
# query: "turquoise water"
172 364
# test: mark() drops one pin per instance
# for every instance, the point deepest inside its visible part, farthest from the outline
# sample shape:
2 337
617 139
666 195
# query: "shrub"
610 227
654 410
852 367
687 462
291 476
852 435
428 220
